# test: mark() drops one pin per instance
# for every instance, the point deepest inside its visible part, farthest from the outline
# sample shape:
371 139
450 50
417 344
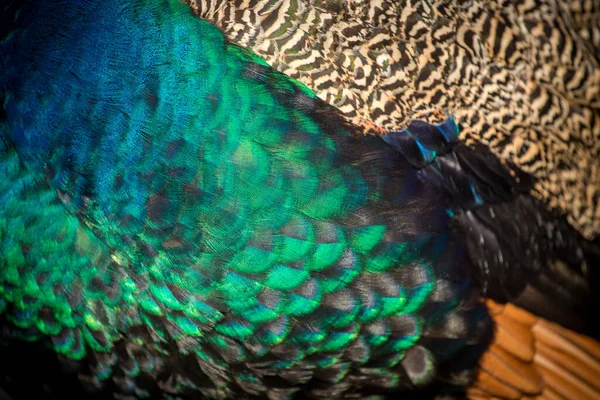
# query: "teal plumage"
180 220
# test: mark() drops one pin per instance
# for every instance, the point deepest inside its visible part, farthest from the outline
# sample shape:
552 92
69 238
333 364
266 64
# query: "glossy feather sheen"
175 209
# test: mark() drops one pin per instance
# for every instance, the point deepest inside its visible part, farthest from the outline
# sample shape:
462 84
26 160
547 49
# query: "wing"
521 80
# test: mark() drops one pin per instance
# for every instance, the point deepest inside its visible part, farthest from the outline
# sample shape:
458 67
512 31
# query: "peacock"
180 220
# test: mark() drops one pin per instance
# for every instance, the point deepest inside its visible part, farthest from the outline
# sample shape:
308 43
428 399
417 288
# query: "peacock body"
179 220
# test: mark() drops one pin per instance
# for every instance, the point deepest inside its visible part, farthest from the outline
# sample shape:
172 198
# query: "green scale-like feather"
158 177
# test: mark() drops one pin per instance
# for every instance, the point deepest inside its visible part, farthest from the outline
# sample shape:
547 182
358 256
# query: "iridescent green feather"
167 191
